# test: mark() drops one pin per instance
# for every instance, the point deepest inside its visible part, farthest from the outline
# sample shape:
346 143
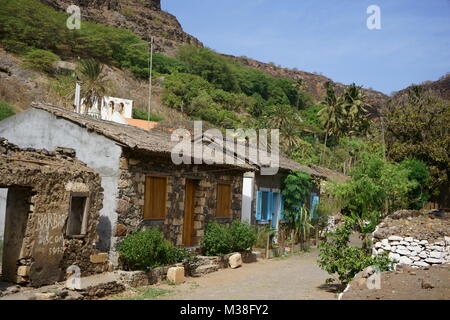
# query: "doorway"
15 222
189 207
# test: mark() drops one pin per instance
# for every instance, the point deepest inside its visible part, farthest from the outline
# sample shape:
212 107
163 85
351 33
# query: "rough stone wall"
414 238
132 188
50 178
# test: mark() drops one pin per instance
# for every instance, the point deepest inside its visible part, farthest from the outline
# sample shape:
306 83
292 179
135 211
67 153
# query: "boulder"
235 261
395 238
403 252
408 239
423 255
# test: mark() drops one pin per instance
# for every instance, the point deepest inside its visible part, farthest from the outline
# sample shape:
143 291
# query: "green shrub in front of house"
243 236
220 240
147 249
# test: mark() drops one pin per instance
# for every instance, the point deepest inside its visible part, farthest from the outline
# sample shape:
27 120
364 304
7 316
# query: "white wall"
3 195
247 197
41 130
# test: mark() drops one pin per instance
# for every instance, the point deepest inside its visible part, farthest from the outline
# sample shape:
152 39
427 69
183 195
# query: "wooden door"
189 204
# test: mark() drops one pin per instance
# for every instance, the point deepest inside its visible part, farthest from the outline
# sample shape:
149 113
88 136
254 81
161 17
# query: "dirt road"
294 278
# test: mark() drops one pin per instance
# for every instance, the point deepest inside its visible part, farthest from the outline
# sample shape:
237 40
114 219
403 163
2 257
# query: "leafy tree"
417 128
296 217
418 172
354 113
338 258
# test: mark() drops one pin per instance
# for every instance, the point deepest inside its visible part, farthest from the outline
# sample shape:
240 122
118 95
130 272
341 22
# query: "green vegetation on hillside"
6 110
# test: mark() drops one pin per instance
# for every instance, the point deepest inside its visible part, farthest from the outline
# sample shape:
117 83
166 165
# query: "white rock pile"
414 252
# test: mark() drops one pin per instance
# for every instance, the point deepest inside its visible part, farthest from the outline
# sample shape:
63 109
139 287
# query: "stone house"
142 187
51 213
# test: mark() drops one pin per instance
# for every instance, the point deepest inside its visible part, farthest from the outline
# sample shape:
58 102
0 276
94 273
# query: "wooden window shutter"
223 200
155 198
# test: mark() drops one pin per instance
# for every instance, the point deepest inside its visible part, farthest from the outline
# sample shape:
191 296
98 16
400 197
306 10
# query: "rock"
380 251
395 238
447 241
420 264
424 242
404 243
176 275
394 256
206 269
426 285
385 242
423 255
405 260
409 239
235 261
433 261
23 271
12 289
416 240
45 296
403 252
121 230
435 254
415 258
99 257
378 245
437 248
387 248
401 248
395 243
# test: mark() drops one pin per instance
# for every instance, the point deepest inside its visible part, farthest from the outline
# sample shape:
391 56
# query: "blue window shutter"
271 206
258 205
281 208
314 204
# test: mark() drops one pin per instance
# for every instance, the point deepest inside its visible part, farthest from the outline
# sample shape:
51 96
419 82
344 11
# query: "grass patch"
6 110
143 294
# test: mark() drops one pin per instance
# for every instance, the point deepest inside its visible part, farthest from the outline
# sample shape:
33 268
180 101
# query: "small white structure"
110 109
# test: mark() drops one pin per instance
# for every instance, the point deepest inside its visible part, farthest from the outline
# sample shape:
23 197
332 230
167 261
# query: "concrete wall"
41 130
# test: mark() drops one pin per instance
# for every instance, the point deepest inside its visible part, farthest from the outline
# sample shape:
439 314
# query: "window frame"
166 178
85 217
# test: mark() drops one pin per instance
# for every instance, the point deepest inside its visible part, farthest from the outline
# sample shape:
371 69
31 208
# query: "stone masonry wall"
49 178
134 169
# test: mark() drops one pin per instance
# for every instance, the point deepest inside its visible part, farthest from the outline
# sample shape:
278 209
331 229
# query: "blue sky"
329 36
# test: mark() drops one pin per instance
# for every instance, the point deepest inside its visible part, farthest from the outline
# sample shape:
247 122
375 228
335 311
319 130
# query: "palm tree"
354 110
299 86
330 114
93 83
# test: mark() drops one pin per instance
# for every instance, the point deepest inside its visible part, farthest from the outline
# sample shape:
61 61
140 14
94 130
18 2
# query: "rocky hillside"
314 83
143 17
441 87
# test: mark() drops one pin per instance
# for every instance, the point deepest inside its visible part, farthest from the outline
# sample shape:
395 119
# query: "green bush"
40 60
243 236
338 258
6 110
143 250
216 241
219 240
142 115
